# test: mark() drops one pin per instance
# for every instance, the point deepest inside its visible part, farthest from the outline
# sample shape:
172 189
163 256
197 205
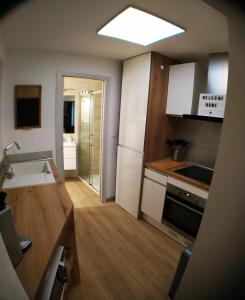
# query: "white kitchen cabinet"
129 172
70 156
134 100
155 176
153 195
186 82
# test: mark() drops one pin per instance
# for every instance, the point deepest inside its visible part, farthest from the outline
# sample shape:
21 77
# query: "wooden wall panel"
159 126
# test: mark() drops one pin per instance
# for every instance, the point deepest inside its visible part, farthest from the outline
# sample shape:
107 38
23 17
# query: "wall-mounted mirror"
69 116
27 106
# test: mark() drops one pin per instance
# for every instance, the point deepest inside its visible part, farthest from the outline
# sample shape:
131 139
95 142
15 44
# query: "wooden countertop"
40 212
167 167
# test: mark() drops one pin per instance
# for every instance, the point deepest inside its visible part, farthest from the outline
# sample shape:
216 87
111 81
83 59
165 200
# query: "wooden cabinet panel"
158 126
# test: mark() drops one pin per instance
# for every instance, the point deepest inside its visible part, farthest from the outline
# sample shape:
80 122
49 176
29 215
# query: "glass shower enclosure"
89 143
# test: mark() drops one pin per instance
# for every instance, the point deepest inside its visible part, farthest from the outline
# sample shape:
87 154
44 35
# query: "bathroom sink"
29 173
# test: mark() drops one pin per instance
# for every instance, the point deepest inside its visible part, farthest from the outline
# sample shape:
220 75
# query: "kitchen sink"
28 173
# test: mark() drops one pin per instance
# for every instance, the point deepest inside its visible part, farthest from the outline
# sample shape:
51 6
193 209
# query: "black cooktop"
198 173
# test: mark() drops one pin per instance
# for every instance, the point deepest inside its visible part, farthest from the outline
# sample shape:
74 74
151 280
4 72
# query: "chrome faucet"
10 145
10 173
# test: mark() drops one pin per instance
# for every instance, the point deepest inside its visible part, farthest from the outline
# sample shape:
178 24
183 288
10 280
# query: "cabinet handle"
184 205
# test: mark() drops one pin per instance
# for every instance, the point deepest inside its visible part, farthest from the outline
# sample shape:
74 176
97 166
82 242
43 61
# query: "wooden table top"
40 213
168 166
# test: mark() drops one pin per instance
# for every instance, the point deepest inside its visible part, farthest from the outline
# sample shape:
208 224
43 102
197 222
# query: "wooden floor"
81 195
121 257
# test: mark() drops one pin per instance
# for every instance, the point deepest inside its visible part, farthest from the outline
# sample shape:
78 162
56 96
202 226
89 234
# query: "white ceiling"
72 25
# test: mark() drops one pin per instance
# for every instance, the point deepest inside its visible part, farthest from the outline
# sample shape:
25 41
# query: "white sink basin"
29 173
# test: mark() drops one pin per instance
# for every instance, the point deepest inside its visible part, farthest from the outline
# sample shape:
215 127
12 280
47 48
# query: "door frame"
59 107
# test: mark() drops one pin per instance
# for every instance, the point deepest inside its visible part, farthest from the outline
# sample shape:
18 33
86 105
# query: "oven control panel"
184 195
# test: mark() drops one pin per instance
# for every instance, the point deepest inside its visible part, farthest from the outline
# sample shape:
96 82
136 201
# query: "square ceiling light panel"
136 26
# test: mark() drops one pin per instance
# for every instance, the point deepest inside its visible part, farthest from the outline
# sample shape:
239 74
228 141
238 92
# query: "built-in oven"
183 210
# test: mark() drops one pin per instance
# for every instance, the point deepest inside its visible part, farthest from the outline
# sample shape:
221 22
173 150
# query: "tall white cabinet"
143 128
134 101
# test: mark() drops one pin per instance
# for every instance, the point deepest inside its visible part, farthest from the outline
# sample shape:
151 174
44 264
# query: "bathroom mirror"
69 116
27 106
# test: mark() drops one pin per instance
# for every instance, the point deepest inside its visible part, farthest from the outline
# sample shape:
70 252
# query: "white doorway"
80 129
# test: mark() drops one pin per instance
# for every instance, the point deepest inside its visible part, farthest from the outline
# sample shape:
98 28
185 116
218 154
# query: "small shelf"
204 118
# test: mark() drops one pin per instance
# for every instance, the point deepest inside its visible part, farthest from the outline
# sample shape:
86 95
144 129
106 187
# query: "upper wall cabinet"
186 82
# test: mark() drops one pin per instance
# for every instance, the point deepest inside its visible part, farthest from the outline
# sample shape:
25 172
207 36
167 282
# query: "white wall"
31 67
216 268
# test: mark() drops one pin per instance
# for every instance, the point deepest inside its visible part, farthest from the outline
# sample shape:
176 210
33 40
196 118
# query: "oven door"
181 216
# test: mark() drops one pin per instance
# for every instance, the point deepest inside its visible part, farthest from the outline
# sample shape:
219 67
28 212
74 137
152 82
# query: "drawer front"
153 199
70 164
156 176
69 152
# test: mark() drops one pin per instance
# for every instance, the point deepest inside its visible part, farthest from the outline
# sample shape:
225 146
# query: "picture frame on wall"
28 106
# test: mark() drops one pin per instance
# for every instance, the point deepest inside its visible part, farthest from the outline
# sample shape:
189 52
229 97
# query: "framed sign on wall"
27 106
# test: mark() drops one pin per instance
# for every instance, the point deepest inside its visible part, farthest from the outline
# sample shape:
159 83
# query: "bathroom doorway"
82 137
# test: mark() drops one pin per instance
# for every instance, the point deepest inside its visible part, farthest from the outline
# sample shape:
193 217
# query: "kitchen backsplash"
203 137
